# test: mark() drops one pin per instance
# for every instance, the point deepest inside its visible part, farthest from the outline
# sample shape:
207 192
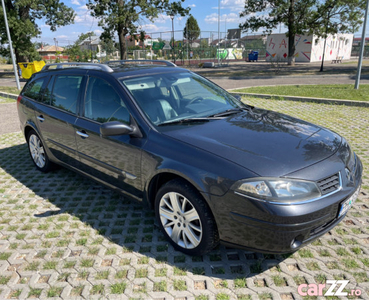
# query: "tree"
191 30
108 46
269 14
301 17
22 16
122 16
331 18
84 36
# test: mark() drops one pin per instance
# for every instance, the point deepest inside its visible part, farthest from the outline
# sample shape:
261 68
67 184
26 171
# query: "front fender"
208 173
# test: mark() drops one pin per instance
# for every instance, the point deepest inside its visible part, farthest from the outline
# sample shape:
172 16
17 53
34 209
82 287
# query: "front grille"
329 184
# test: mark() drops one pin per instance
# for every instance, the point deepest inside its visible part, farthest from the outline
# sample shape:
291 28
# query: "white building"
309 48
92 44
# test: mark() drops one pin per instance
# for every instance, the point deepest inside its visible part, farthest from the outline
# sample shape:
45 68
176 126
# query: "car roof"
119 69
133 71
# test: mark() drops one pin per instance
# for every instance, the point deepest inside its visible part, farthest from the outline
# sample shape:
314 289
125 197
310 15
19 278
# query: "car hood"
265 142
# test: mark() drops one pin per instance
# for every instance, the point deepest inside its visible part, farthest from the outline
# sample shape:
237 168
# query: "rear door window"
65 92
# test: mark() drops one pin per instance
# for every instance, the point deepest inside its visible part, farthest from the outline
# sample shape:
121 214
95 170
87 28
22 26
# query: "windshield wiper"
229 112
183 121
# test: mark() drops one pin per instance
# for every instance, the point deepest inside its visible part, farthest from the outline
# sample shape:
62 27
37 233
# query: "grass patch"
50 265
54 292
98 289
350 263
33 266
34 293
330 91
240 283
4 279
161 272
9 89
5 255
102 275
305 253
179 285
141 273
179 271
160 286
222 296
87 263
118 288
121 274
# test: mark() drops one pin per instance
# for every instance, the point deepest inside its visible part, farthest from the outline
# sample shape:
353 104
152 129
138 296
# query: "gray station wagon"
213 168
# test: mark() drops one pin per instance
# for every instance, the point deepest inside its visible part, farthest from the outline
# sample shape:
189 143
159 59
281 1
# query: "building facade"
309 48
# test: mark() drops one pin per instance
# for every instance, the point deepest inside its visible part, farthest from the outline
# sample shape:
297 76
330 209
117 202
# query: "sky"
204 11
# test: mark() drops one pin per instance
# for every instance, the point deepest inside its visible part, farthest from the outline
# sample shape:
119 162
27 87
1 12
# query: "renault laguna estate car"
213 168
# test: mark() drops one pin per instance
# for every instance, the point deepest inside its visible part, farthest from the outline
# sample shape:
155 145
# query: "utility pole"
11 46
357 81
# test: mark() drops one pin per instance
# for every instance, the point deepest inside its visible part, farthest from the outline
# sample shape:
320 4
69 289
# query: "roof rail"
102 67
141 61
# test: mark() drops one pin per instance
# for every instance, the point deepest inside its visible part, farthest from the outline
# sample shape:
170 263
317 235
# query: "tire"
176 201
37 152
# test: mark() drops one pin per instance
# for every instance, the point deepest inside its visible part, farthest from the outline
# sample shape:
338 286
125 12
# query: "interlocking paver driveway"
64 236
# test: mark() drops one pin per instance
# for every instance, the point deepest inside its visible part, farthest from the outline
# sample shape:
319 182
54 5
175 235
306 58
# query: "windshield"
166 98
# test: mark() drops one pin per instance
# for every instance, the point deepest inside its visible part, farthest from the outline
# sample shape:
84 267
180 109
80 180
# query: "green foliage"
191 30
22 16
331 17
303 17
122 17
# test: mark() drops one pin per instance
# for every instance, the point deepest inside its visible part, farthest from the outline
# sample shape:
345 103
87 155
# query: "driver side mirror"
115 128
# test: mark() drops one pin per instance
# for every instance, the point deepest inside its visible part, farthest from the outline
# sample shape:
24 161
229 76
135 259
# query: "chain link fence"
208 46
356 50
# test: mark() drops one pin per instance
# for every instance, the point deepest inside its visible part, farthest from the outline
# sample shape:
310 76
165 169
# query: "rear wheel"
185 218
38 153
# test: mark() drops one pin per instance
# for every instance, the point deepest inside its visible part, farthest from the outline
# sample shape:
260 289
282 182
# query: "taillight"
19 100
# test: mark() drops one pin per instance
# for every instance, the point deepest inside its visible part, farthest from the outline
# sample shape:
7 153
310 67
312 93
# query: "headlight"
351 163
277 189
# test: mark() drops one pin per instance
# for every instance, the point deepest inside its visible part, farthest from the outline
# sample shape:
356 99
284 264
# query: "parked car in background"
213 168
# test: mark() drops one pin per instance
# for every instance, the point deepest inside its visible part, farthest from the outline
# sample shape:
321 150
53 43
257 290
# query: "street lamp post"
10 46
362 45
173 54
218 33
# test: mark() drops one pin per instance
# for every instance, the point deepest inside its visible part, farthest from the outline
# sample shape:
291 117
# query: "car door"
57 115
114 159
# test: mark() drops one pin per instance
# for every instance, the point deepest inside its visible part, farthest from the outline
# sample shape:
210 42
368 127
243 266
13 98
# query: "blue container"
253 56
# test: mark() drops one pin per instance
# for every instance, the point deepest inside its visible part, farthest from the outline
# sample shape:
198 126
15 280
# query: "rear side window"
34 89
65 92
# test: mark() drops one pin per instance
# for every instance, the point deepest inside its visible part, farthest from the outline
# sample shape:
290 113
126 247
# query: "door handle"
82 134
40 118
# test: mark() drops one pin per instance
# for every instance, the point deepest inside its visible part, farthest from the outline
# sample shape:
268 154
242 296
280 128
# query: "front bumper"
274 228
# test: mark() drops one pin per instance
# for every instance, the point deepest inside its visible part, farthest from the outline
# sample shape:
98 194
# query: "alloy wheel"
37 151
180 220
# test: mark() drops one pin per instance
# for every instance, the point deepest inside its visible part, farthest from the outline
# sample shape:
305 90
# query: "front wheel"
185 218
38 153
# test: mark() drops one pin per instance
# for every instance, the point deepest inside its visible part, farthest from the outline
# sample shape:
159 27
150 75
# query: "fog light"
296 242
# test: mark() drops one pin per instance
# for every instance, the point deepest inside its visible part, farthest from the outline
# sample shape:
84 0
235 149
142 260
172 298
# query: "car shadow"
123 222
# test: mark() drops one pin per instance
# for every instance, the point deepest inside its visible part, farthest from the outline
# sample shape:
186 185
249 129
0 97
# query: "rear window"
33 90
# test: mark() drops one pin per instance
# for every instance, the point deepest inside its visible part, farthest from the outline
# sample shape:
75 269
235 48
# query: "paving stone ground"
63 236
